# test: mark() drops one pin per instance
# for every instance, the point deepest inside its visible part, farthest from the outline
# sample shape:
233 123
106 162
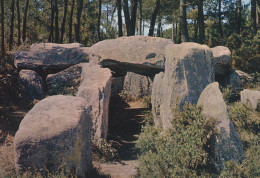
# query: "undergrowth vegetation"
104 151
180 151
183 150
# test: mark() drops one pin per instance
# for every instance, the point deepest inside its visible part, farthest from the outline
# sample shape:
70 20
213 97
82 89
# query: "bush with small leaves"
181 150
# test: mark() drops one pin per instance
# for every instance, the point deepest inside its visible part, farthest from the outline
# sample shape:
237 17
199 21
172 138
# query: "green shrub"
229 94
104 151
250 167
180 151
246 122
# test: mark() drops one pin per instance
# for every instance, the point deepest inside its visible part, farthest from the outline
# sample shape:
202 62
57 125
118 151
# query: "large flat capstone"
139 54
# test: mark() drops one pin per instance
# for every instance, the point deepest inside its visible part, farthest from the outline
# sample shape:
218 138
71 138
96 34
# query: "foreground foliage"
183 150
180 151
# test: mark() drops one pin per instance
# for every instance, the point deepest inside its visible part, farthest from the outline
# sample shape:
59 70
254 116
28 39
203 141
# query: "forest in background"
229 23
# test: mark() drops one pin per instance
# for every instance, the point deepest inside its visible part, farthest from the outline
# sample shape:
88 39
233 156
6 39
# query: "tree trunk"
201 22
50 39
119 15
154 15
176 31
62 28
130 21
238 20
219 19
71 21
2 28
140 17
196 30
78 17
11 26
257 14
253 14
25 20
99 18
173 31
184 36
159 27
18 22
127 17
133 16
56 9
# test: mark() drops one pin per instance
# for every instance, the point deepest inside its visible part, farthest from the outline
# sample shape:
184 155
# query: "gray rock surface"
188 70
227 144
234 80
50 61
140 54
245 78
31 85
156 99
251 98
117 86
136 86
223 60
96 90
56 131
40 46
68 78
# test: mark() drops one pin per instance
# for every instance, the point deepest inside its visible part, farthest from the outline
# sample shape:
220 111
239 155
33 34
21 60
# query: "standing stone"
222 60
227 144
235 81
137 86
31 85
251 98
96 90
56 132
117 86
188 70
156 99
66 79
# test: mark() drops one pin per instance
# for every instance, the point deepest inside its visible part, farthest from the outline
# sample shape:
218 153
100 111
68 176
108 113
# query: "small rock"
251 98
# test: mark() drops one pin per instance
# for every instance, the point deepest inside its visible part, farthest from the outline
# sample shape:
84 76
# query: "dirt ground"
126 120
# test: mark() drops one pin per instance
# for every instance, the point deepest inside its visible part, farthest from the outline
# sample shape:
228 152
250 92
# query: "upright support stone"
31 85
188 70
96 90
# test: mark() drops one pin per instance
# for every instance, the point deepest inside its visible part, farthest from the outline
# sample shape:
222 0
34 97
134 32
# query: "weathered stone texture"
226 145
96 89
56 131
31 85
